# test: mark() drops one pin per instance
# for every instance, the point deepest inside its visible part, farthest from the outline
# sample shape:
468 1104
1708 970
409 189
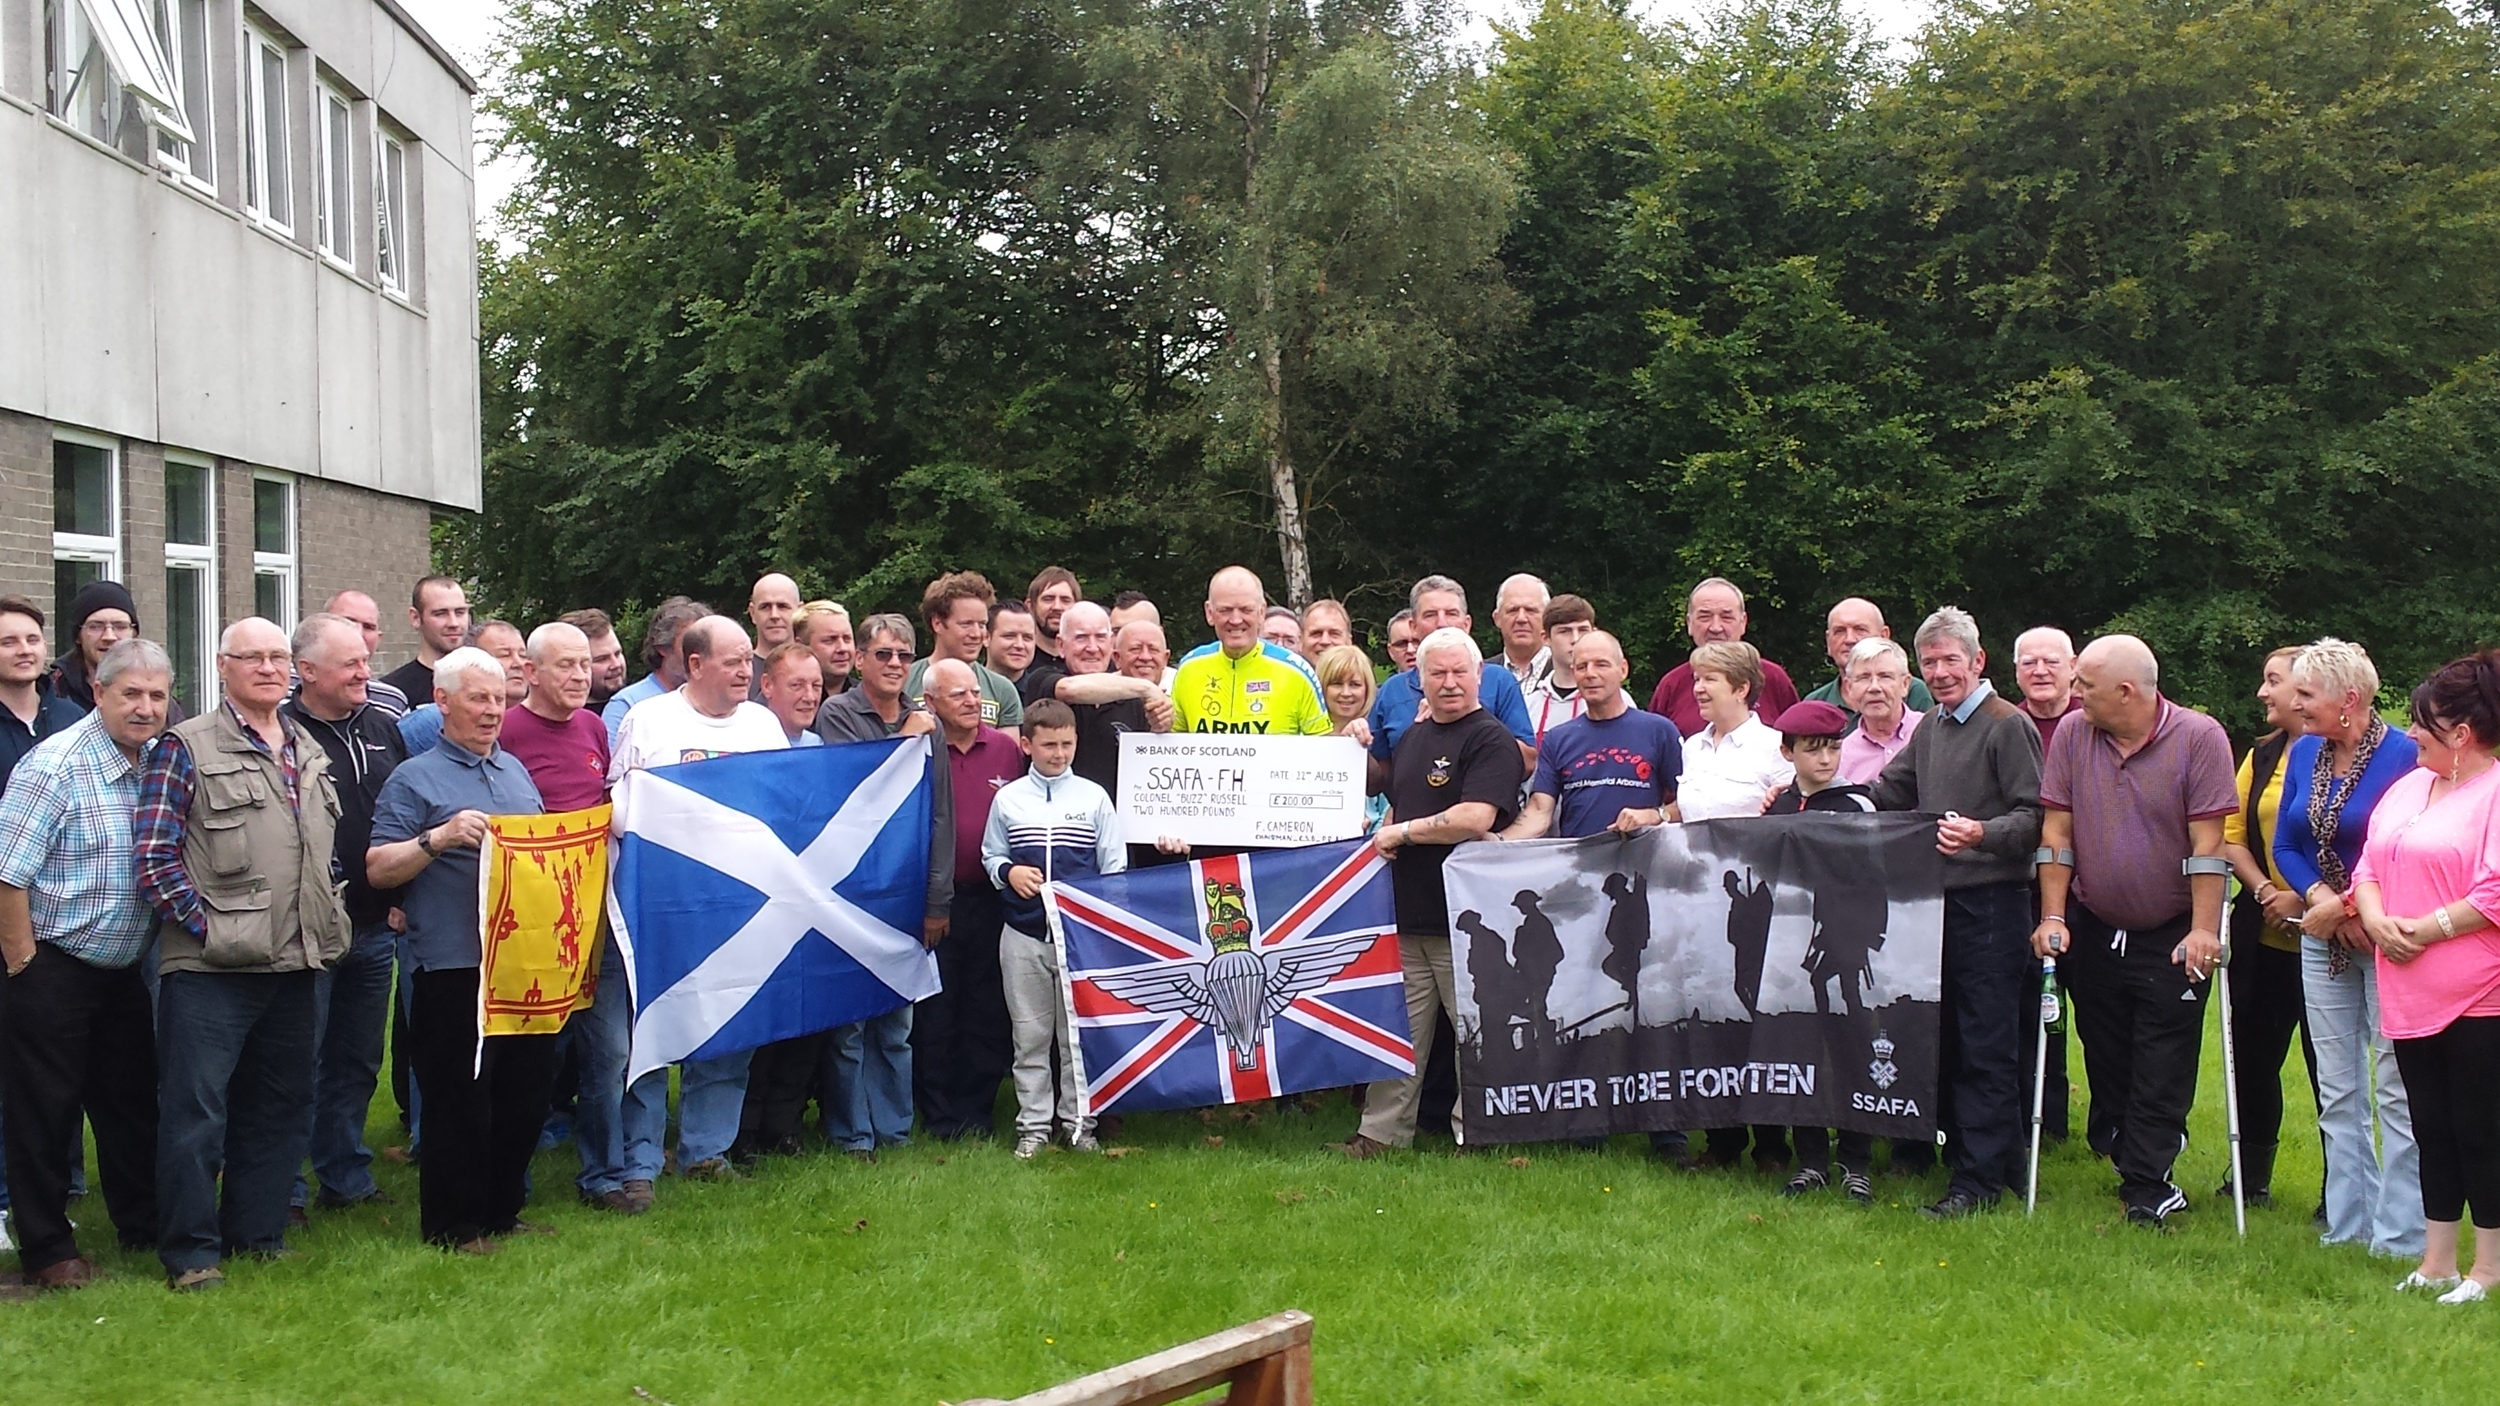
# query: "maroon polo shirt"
2131 814
567 761
1673 698
2047 726
990 762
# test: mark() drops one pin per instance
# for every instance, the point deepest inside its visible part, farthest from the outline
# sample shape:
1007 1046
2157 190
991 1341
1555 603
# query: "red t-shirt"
568 761
1673 698
993 760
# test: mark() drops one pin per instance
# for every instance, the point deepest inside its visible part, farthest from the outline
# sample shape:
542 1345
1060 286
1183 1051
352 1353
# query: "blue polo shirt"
422 793
1393 712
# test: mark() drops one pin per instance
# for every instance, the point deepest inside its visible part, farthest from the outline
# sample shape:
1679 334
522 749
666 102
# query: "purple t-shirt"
992 761
2131 814
568 761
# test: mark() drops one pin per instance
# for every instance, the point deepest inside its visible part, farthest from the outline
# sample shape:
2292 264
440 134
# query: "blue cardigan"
2295 844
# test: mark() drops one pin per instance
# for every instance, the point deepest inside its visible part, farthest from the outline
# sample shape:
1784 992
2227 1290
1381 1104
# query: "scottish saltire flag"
1237 978
767 895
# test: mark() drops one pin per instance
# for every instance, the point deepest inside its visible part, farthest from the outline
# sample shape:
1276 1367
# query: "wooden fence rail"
1267 1363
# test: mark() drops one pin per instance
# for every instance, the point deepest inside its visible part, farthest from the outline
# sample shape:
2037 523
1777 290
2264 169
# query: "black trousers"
960 1046
76 1037
482 1126
2266 1008
2143 1026
2451 1078
1983 1106
781 1078
1814 1149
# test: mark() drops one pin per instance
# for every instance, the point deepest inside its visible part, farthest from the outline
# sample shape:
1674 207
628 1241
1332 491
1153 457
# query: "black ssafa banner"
1783 969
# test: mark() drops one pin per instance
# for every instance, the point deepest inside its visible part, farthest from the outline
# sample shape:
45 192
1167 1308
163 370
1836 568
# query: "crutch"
2040 1077
2215 864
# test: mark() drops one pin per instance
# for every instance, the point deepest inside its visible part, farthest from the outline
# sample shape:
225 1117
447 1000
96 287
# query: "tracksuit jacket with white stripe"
1062 825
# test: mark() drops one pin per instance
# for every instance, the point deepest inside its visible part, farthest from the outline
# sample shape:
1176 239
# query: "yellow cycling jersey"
1270 689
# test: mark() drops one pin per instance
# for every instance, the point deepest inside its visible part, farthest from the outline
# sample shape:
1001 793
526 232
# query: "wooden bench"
1267 1363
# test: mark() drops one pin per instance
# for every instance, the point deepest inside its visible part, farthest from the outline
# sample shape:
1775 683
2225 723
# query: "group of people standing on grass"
210 923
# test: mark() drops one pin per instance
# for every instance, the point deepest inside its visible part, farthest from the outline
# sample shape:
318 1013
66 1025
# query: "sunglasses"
890 656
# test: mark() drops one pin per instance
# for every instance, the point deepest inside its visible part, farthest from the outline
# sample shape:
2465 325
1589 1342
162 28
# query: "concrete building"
238 308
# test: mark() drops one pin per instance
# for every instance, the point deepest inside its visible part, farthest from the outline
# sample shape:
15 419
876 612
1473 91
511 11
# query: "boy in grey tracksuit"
1047 824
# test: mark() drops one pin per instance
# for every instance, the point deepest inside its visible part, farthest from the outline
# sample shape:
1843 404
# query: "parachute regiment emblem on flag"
1883 1070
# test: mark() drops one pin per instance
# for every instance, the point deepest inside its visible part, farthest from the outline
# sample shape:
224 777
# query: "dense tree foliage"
2178 316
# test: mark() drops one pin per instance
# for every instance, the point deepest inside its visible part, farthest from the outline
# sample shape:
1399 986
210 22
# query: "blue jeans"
407 1002
710 1095
601 1037
234 1076
868 1082
351 1009
2373 1186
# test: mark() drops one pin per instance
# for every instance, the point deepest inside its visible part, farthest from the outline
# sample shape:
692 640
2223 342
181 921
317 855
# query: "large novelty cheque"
1233 790
1233 979
1779 970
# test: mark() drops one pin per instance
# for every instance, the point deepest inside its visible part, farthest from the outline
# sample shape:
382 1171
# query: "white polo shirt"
1732 775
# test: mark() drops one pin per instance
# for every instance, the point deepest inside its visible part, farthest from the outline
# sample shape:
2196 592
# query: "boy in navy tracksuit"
1046 824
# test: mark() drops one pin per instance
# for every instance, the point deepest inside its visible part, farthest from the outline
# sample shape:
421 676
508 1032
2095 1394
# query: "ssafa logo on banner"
1235 978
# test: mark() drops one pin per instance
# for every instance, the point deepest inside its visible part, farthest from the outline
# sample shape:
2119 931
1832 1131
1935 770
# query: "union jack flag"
1187 993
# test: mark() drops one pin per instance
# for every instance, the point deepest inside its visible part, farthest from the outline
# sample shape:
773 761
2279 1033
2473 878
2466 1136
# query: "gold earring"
2343 720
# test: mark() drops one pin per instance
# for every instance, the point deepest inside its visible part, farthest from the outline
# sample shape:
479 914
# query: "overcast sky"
467 27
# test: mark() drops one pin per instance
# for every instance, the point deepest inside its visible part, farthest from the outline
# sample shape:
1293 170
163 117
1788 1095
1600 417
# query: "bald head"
556 670
1854 619
953 694
773 605
1085 638
1236 607
2121 658
2119 683
1598 670
1137 647
2044 670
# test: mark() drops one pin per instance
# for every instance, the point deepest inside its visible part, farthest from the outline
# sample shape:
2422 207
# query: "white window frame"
335 213
123 54
75 58
279 564
261 182
194 556
79 546
390 211
182 31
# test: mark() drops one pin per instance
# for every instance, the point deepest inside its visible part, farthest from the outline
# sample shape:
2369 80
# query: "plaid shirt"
166 778
65 838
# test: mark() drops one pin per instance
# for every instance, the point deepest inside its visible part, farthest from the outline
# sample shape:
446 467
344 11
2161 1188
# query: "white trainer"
1030 1146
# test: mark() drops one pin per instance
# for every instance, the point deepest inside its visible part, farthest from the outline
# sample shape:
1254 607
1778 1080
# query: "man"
770 608
867 1066
1242 683
1106 704
1612 768
29 710
1439 603
960 1042
1324 626
1554 697
607 654
825 628
1715 614
76 1031
706 716
1975 760
485 1100
1519 613
1455 778
660 656
1053 590
234 842
438 608
2131 890
1845 627
501 639
101 615
1282 628
1139 649
1133 605
2044 669
564 748
1877 676
1014 642
1400 644
352 998
366 614
792 691
956 608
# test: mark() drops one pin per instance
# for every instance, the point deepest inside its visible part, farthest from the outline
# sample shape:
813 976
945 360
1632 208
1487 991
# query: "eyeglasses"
108 627
890 656
277 659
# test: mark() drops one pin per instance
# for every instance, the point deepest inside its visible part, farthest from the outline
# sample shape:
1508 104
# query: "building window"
107 66
191 580
265 189
182 34
391 215
338 230
86 516
273 549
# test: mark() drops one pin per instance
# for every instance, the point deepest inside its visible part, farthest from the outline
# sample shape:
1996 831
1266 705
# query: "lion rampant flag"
538 919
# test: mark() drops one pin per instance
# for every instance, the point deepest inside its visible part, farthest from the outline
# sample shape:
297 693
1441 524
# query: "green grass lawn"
948 1272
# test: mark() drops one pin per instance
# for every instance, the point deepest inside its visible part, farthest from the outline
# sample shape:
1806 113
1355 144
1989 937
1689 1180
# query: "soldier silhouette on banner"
1538 952
1848 929
1749 932
1627 936
1500 995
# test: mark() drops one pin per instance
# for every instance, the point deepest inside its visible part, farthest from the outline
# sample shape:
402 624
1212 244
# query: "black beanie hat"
95 596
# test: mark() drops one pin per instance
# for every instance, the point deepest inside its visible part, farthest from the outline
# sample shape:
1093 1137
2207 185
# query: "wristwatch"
425 841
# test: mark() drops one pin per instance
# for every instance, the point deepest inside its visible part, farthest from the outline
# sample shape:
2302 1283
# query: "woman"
2267 1004
825 628
1347 685
2333 778
2428 885
1733 765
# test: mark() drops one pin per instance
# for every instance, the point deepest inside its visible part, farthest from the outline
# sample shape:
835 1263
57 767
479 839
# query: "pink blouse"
2424 855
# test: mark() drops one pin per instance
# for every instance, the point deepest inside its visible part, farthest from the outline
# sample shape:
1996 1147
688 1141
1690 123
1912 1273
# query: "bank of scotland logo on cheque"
1236 978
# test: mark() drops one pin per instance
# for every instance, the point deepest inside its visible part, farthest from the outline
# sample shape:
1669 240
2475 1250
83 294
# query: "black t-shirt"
1436 766
1098 729
1040 680
414 679
1840 798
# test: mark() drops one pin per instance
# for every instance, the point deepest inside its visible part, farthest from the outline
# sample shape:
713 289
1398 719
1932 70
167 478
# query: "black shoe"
2156 1215
1958 1204
2258 1199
